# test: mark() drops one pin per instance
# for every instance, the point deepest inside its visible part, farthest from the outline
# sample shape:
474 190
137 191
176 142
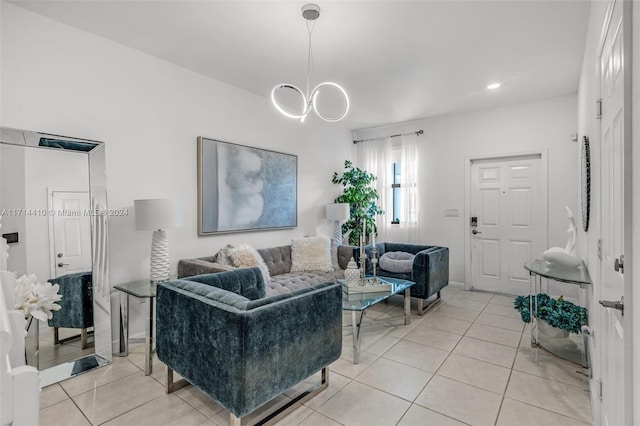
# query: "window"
395 189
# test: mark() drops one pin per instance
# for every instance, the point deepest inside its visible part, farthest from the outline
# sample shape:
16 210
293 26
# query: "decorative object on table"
558 313
36 300
362 197
337 213
397 261
565 256
369 285
241 188
310 12
585 180
157 215
352 274
363 256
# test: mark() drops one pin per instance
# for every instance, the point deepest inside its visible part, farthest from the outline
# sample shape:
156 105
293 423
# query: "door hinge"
599 108
599 249
600 389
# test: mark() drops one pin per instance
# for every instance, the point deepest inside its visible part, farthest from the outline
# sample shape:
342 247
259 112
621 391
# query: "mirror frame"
95 151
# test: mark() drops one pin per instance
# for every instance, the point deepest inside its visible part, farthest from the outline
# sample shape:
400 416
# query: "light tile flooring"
467 361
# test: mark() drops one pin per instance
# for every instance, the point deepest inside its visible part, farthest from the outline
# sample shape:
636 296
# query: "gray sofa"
278 261
240 347
430 269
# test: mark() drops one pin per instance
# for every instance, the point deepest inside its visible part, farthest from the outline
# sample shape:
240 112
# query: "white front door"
509 205
71 233
610 334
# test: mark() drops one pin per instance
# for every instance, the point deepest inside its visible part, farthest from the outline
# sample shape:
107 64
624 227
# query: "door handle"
475 231
619 305
60 264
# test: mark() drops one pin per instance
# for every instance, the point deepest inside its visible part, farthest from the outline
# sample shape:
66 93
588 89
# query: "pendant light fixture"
310 12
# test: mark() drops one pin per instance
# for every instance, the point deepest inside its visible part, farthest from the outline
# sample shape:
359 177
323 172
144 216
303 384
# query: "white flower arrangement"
35 299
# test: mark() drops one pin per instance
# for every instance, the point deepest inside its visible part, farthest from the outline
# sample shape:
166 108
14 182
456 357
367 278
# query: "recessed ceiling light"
494 86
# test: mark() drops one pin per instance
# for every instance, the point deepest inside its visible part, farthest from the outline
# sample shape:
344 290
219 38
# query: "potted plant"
557 313
362 199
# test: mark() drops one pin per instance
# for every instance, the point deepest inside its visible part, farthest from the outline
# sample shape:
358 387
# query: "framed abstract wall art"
241 188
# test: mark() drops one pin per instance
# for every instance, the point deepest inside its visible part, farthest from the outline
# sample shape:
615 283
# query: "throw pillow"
397 261
311 254
245 256
222 257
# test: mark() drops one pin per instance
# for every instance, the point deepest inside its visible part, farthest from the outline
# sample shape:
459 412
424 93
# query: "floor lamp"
157 215
338 213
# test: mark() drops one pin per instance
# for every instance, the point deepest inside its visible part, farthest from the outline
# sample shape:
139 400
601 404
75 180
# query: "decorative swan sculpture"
565 256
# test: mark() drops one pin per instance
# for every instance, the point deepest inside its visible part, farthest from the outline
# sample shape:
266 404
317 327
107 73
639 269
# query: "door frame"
468 162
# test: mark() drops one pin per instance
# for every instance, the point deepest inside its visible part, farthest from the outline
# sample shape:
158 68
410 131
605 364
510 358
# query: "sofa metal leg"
83 338
422 308
56 336
292 405
170 385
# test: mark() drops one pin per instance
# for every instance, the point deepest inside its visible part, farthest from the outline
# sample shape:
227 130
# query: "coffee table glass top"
140 288
362 301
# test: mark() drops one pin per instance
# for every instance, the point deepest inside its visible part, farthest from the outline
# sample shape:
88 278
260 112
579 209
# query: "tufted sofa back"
278 259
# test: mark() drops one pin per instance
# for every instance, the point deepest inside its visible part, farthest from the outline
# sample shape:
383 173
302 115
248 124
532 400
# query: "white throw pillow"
311 254
245 256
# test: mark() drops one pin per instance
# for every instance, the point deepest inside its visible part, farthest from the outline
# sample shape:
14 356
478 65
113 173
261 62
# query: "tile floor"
468 361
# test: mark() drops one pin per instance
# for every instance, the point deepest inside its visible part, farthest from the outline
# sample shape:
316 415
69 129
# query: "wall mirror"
53 201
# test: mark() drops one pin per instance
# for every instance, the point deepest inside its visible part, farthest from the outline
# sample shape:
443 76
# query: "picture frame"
243 188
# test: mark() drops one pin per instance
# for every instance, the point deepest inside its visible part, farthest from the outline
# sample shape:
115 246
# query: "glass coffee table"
359 302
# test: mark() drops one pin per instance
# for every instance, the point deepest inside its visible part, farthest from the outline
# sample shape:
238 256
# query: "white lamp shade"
158 213
338 211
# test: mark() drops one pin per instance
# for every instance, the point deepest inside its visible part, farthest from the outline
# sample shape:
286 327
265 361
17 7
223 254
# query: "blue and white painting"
241 188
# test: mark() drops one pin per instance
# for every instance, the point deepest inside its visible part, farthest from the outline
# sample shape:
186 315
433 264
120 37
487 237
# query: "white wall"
48 169
61 80
448 140
12 198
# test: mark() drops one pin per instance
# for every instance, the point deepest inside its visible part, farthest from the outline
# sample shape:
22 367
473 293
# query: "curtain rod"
417 133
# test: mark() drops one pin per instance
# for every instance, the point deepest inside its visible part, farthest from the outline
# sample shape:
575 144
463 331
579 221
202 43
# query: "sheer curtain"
377 157
409 228
374 156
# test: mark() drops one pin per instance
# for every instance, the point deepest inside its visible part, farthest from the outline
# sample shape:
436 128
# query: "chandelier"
310 13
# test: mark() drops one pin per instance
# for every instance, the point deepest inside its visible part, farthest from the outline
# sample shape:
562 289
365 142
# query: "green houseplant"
558 313
362 199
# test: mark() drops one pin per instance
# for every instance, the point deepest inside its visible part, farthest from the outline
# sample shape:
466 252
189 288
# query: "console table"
573 348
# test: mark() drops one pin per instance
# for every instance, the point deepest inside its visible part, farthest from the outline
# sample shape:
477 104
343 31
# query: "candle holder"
374 262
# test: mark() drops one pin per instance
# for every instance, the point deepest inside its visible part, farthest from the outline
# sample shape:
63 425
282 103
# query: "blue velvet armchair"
430 269
76 306
242 349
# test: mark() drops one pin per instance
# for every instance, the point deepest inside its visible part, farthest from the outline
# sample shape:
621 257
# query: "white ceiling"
398 60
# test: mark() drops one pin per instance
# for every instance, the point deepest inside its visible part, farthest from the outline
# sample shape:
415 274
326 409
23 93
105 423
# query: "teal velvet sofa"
224 336
430 269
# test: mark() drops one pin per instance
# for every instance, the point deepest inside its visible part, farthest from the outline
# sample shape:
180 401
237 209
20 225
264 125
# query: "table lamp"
157 215
338 213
